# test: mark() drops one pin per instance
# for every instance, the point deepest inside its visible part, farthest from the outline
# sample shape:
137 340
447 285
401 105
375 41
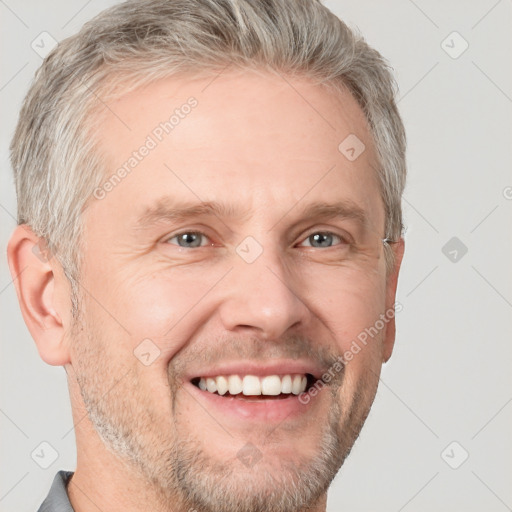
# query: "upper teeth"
251 385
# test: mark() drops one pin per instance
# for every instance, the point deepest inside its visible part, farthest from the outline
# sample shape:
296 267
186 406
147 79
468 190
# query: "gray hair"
54 152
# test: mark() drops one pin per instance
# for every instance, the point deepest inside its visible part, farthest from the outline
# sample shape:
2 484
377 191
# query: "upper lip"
259 368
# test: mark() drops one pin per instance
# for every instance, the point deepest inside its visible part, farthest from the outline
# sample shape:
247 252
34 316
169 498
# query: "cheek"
350 304
162 307
348 301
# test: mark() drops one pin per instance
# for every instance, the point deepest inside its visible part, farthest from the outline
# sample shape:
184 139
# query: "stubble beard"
176 470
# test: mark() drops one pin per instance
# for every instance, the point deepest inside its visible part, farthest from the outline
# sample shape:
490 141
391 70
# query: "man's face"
268 285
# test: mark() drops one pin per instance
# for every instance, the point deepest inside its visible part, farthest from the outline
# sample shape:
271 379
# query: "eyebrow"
167 211
345 209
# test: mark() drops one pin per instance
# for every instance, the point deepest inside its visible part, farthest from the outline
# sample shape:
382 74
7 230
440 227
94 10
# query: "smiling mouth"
252 387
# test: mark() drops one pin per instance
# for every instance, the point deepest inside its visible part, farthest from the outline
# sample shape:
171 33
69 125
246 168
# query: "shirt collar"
57 499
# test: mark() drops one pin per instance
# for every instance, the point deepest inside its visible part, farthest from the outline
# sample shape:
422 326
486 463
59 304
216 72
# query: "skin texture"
269 147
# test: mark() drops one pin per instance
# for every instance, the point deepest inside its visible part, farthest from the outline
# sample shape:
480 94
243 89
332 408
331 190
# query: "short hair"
54 152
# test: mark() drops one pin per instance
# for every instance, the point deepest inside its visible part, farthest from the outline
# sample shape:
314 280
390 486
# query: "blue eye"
322 239
318 240
188 239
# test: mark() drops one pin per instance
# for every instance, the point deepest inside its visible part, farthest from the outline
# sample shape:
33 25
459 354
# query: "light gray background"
450 375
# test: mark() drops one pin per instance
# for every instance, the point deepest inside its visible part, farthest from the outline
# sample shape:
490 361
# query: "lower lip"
271 410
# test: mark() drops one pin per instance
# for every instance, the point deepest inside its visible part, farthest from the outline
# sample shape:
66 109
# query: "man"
209 242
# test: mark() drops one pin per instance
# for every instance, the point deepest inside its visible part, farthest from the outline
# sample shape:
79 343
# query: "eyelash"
343 240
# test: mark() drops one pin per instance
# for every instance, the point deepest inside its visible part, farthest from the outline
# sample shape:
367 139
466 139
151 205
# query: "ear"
398 249
36 276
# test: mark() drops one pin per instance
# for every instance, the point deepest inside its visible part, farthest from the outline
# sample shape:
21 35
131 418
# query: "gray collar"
57 499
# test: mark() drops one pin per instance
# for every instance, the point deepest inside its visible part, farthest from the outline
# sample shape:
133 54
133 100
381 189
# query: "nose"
262 297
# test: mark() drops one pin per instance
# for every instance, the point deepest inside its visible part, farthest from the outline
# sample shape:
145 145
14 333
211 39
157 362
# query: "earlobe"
34 276
398 249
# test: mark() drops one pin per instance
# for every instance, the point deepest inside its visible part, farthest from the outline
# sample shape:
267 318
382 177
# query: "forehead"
257 139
